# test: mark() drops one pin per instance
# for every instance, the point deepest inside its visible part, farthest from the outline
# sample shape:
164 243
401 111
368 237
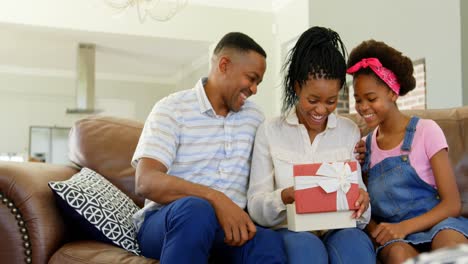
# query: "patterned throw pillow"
101 206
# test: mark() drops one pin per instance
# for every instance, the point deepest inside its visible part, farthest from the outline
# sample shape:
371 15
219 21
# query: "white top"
282 142
185 134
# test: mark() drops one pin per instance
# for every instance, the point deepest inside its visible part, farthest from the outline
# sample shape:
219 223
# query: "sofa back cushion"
454 123
106 145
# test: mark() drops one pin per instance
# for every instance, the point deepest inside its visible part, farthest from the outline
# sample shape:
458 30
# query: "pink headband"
385 74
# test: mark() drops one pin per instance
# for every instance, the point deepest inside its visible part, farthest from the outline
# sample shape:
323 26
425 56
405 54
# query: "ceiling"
54 51
255 5
32 49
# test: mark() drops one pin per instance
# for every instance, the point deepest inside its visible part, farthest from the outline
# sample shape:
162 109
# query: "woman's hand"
287 195
363 203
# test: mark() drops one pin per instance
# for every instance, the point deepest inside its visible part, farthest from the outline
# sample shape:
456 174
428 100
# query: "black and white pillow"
99 208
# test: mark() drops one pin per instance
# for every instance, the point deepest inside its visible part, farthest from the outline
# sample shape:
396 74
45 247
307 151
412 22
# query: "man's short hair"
239 41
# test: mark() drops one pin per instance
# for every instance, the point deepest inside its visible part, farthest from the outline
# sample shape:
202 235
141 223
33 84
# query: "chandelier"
159 10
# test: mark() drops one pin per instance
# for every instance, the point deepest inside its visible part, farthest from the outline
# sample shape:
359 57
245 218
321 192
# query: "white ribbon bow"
331 177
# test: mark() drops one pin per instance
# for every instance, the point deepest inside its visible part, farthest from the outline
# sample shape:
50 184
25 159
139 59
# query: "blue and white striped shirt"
185 134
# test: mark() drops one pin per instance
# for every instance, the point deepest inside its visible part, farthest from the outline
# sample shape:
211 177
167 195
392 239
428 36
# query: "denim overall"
397 192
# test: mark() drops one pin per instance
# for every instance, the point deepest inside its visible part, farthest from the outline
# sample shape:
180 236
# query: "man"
193 161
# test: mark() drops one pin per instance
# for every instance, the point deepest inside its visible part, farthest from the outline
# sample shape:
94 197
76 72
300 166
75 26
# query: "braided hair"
319 53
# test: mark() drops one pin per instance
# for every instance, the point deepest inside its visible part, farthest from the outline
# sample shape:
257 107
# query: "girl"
414 197
308 131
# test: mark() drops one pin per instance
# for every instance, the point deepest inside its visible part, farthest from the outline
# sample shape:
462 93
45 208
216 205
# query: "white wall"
427 29
28 100
192 23
191 78
464 46
291 20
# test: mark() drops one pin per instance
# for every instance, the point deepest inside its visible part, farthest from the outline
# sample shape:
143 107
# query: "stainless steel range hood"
85 79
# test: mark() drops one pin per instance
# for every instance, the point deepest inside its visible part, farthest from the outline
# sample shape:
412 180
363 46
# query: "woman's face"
317 99
374 100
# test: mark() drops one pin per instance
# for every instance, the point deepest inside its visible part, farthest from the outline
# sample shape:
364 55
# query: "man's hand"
360 150
363 203
236 223
385 232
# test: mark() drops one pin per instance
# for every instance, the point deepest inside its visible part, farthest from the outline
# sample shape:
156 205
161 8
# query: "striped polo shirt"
185 134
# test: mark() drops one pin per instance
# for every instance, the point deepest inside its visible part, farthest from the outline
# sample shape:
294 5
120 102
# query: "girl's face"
317 99
373 99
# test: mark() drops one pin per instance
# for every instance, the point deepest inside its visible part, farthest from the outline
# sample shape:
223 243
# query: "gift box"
325 196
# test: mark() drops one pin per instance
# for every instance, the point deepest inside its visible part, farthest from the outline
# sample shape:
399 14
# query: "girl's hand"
360 150
386 232
362 202
287 195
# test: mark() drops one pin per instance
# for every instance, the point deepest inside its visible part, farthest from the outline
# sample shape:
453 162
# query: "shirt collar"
203 101
292 119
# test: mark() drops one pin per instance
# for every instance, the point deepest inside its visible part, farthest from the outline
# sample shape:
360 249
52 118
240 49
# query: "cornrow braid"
318 53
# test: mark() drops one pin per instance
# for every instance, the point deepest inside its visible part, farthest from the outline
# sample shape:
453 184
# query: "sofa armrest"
30 223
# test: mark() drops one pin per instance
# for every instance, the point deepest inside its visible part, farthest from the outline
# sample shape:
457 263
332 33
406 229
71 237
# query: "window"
11 157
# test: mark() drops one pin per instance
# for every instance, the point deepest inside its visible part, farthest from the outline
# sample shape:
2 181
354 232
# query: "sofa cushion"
99 208
93 252
106 145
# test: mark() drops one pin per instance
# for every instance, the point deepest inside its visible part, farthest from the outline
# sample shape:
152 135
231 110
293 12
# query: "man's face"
244 72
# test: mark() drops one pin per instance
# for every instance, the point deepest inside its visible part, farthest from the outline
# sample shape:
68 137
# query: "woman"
308 131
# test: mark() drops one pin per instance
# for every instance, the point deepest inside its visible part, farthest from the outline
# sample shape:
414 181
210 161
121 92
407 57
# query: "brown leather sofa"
32 228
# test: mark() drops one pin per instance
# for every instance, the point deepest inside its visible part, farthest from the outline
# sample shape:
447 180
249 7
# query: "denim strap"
409 135
365 167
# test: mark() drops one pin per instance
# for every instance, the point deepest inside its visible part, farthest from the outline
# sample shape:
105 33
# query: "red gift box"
326 187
